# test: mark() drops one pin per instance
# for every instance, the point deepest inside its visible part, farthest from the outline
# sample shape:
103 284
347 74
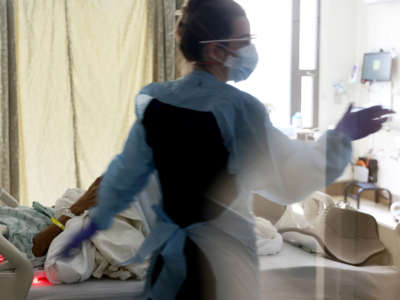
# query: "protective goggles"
247 38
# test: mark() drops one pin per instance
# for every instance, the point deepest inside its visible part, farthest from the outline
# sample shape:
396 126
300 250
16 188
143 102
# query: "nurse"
210 146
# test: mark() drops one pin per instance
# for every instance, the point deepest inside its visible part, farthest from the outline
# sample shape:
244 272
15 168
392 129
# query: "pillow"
269 241
316 224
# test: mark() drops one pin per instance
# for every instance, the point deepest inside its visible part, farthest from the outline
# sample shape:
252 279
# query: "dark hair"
205 20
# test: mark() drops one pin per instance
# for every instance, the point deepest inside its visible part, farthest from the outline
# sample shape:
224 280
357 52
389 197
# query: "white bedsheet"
295 274
99 289
102 255
291 274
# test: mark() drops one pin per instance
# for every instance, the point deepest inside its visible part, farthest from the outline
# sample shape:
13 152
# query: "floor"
379 210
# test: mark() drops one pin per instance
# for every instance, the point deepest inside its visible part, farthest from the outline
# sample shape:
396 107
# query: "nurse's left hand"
81 236
359 124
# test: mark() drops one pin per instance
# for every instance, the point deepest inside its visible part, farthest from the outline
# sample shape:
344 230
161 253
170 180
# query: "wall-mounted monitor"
377 66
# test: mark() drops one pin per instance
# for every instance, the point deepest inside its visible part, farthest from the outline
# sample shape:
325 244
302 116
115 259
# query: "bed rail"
17 279
15 284
7 199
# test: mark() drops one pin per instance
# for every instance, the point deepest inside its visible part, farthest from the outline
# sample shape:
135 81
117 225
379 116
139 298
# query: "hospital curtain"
164 32
182 67
8 103
80 65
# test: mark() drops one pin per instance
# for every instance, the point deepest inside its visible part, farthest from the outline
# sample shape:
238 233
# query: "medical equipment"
377 66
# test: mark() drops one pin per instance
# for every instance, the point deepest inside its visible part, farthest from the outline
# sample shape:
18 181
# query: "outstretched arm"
287 171
359 124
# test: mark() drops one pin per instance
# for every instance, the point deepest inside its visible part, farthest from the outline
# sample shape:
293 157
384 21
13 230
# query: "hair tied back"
193 5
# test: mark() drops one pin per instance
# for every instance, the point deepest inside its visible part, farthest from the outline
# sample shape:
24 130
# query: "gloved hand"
362 123
81 236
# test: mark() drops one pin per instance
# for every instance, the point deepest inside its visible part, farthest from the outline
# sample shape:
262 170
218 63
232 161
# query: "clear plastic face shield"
242 61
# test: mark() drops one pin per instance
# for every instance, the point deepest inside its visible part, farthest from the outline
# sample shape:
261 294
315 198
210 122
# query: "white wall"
349 29
337 55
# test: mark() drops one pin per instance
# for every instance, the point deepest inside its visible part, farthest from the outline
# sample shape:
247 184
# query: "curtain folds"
80 65
164 39
9 171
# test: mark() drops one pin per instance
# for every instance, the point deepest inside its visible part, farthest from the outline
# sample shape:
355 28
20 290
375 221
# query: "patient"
41 241
33 232
30 229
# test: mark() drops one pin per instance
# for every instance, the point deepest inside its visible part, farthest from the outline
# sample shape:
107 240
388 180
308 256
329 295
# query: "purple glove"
81 236
362 123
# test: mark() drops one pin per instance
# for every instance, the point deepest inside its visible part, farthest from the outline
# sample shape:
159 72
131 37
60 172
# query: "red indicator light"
40 281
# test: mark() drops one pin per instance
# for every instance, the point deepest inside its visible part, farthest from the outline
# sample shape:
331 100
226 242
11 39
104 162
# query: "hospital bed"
19 279
296 274
291 274
21 282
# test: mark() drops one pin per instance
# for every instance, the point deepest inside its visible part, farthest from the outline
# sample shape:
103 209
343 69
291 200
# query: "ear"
214 53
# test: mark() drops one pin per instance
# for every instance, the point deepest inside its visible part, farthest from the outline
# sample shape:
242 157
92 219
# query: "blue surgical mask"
243 64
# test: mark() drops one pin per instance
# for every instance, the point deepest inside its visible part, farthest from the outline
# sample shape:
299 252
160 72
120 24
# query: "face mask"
241 66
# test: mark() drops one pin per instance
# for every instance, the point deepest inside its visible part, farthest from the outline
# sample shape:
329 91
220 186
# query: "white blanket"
100 256
269 241
76 268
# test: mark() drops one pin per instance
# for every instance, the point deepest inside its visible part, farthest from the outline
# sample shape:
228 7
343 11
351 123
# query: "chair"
362 187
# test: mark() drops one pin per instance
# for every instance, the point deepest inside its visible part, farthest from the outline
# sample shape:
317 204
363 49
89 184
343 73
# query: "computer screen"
377 66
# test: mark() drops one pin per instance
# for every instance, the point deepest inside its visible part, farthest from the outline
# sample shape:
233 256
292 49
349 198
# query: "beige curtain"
182 67
80 65
8 103
164 14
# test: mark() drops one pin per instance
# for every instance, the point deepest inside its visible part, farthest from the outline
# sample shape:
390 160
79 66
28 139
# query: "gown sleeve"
125 177
294 169
267 161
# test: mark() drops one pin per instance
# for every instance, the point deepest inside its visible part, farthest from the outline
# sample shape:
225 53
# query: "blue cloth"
260 157
169 239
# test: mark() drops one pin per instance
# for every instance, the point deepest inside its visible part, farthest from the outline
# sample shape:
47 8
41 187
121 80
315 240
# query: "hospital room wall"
378 28
338 34
348 30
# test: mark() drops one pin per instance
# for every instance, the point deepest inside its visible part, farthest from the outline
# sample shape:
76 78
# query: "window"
287 40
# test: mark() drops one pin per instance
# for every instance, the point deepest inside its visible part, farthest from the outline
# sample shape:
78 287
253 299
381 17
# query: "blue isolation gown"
261 158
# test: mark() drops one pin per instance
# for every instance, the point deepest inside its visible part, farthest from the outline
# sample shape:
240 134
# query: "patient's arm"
88 200
41 241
